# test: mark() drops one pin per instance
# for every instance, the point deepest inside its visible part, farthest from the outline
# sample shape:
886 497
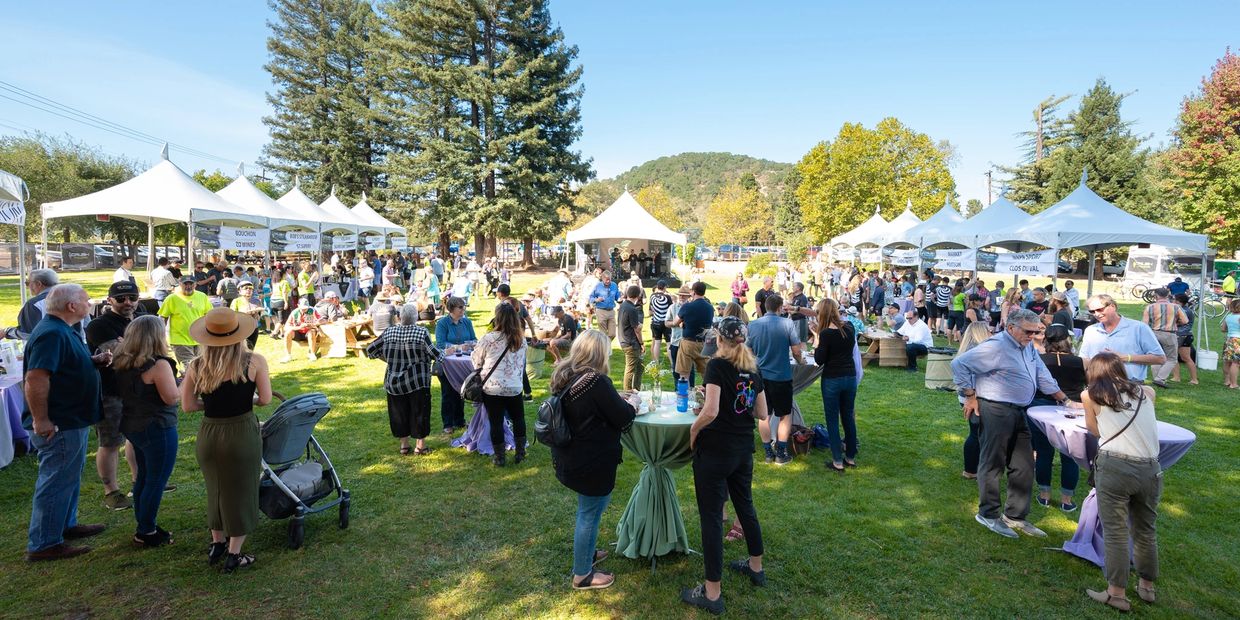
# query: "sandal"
215 552
405 450
735 534
422 451
237 560
1104 597
599 556
589 584
158 538
1146 594
836 468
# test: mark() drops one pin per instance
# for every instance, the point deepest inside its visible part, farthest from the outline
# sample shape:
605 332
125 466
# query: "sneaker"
1068 507
783 459
312 356
286 359
117 501
168 488
1045 502
1024 527
996 526
758 578
696 596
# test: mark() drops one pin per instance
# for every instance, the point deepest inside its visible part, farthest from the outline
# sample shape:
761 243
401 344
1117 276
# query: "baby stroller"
296 470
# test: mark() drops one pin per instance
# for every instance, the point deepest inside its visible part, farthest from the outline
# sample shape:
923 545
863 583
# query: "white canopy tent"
624 220
299 203
868 230
893 232
344 216
364 212
162 195
1001 214
13 195
931 232
244 194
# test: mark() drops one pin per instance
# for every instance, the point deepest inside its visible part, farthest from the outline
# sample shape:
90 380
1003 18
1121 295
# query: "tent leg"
1201 296
1089 290
1055 273
21 259
150 245
45 263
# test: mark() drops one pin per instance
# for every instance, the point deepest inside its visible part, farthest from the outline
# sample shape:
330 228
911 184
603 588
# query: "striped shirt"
942 295
660 303
1163 316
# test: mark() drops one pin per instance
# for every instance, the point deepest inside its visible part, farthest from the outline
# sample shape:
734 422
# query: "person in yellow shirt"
307 283
244 303
181 309
1229 283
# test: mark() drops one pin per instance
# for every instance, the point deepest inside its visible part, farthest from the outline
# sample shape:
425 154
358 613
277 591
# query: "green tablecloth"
652 524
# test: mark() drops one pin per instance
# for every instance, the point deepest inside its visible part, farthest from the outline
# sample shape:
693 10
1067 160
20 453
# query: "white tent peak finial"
1084 175
947 199
163 152
908 206
240 169
877 208
333 189
296 181
363 195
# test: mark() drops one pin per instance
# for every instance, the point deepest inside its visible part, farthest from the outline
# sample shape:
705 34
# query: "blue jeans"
156 452
1044 460
54 506
585 536
838 398
160 295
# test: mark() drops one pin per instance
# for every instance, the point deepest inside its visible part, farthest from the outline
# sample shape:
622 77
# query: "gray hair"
46 277
1021 315
408 314
62 295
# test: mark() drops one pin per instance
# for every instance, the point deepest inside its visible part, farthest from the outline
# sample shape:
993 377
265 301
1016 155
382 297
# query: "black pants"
720 473
497 408
451 407
1005 446
972 447
409 415
914 351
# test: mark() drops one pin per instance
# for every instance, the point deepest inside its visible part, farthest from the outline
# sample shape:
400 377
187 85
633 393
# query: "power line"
50 106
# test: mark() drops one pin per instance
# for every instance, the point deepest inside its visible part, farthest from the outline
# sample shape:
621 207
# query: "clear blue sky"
765 79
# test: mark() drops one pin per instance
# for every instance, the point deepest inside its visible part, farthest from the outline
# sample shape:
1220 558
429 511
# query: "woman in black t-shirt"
722 443
1069 372
834 354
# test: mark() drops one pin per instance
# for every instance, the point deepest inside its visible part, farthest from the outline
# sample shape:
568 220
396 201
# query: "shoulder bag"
1137 410
471 387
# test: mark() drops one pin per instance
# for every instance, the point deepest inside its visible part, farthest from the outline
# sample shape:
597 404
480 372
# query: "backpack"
551 427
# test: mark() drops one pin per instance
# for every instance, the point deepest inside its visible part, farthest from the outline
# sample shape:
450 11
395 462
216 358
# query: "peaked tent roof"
162 195
1085 220
363 211
242 193
12 187
1001 214
343 215
626 219
863 233
301 204
894 231
932 231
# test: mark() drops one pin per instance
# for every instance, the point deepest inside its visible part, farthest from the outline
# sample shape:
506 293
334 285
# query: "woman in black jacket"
596 414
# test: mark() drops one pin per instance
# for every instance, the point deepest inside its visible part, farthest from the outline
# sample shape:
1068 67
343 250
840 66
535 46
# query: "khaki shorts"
690 354
109 426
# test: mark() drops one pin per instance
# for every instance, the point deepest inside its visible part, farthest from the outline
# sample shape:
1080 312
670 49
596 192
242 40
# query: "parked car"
53 258
1112 269
1066 266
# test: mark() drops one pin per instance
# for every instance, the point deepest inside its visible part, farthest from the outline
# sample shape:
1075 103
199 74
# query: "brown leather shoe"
84 531
55 552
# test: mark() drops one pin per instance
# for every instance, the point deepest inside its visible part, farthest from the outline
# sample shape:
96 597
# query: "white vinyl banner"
842 254
255 239
955 260
373 242
869 255
906 258
344 242
1028 263
12 212
301 242
400 243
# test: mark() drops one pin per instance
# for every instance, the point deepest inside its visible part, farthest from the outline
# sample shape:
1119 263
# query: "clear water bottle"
682 395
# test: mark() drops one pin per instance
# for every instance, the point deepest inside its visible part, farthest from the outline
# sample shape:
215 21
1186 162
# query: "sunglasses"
1097 310
1031 332
126 298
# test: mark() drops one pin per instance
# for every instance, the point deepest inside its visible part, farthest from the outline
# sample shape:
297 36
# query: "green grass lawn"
451 536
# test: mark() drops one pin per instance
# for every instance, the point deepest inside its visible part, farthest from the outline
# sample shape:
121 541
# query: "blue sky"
766 79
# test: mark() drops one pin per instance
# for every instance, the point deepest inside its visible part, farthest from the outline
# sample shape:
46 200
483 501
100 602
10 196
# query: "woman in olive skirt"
222 382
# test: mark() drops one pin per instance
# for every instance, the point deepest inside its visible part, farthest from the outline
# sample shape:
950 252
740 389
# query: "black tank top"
142 402
230 399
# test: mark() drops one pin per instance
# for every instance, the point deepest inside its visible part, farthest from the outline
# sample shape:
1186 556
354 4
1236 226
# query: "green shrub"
688 253
760 264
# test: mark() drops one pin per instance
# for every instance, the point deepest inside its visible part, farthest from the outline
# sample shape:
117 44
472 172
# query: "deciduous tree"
738 215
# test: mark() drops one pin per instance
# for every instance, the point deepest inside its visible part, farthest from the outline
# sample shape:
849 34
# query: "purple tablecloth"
1071 438
477 435
906 305
11 432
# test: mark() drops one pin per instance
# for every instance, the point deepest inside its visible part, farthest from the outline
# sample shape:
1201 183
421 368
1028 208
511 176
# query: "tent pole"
1089 291
189 242
21 258
1055 272
150 244
45 261
1201 296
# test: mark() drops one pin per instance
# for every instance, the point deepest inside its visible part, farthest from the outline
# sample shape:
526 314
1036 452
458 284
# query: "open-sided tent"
13 193
624 220
932 231
998 215
244 194
364 212
893 232
298 202
344 216
865 233
162 195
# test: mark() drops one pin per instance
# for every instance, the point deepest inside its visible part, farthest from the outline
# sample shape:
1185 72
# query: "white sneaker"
1024 527
286 359
313 356
996 525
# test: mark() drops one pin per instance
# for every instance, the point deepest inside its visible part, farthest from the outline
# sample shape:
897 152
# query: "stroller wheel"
296 532
344 514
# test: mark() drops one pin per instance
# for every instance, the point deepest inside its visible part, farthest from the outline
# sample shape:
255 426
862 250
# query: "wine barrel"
939 369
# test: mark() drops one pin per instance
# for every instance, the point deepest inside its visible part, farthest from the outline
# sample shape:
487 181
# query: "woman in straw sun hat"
222 382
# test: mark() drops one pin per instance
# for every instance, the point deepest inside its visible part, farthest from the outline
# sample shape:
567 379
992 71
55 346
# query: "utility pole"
990 195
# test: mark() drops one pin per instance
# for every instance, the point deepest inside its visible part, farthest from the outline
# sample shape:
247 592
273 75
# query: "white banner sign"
1028 263
400 243
906 258
12 212
255 239
301 242
869 255
842 254
344 242
373 242
955 260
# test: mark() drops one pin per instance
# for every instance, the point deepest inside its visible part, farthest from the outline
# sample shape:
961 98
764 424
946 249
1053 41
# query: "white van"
1152 266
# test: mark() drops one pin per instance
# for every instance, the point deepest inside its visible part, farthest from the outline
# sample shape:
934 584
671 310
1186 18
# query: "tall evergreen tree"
1027 182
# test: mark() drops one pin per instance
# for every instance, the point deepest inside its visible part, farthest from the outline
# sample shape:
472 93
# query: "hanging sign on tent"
955 260
842 254
252 239
905 258
373 242
1028 263
869 255
12 212
400 243
294 241
344 242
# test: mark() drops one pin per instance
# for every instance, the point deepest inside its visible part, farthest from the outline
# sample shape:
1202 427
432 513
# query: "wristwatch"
970 393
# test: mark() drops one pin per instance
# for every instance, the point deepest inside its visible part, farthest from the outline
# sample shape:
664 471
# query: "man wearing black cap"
893 319
103 334
660 303
181 309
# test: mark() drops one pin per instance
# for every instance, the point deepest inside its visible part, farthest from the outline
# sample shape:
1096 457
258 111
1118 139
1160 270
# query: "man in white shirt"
124 273
917 339
162 280
1074 296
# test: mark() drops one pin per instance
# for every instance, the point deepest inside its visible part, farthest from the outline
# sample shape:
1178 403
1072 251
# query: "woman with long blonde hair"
1013 301
222 383
146 382
834 354
722 442
596 415
974 334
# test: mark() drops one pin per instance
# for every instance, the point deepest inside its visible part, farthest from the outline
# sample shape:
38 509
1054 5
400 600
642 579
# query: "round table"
12 402
652 524
1070 437
477 437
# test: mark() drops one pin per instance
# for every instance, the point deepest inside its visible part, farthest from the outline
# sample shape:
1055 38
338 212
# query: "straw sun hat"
221 327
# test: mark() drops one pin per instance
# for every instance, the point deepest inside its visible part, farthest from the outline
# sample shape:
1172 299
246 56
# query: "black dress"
597 415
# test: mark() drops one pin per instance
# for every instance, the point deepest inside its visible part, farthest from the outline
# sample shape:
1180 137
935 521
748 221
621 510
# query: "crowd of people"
127 371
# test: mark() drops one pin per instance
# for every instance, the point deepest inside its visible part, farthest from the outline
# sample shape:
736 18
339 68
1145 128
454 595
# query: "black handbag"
471 387
1092 468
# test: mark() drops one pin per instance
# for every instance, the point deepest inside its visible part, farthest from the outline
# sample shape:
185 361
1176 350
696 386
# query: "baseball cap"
894 305
504 289
248 284
331 295
185 279
732 329
124 287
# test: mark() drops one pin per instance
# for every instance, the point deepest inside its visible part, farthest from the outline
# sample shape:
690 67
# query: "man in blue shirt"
62 396
776 344
1132 340
999 378
694 318
1178 287
604 299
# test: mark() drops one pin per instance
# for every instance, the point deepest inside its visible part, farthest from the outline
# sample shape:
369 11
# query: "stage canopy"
626 219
